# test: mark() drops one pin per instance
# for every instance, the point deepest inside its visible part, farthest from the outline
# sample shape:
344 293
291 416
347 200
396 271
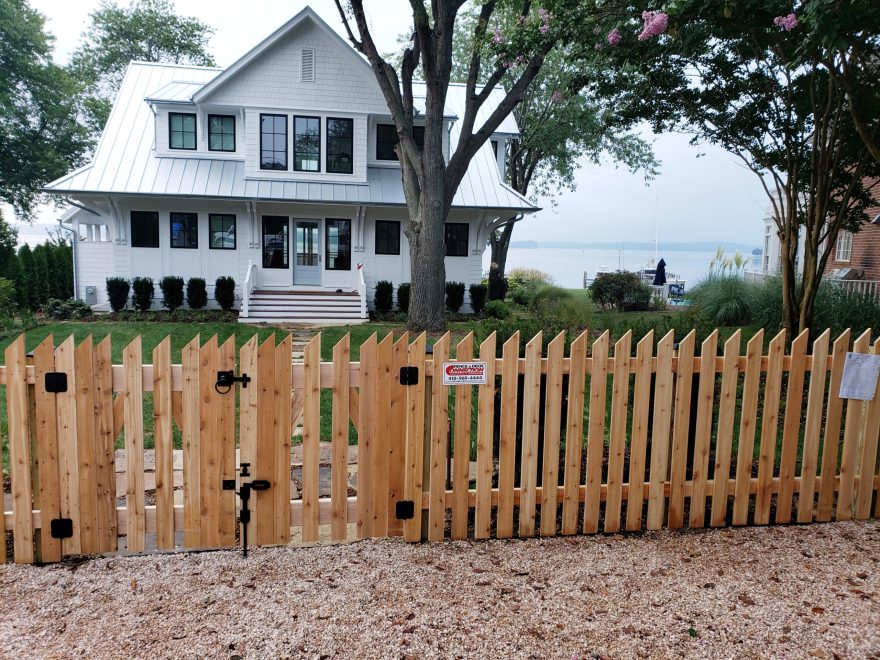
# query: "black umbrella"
660 273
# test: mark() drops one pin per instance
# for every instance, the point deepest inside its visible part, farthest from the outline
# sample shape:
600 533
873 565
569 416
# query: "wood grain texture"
868 458
703 431
552 434
727 405
396 430
794 398
164 444
47 451
531 416
852 436
68 468
769 428
813 428
617 443
282 432
339 439
85 445
680 429
311 438
574 433
209 446
461 457
369 382
191 439
596 432
105 446
660 432
413 483
19 452
507 437
132 359
747 428
485 442
439 443
831 439
226 427
266 456
635 504
381 436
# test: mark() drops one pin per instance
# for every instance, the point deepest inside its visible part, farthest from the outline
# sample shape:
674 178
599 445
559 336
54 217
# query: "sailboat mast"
656 205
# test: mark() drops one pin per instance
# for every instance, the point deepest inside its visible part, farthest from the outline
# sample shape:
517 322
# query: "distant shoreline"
697 246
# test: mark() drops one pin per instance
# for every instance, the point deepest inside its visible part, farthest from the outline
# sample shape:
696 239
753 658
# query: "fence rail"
577 438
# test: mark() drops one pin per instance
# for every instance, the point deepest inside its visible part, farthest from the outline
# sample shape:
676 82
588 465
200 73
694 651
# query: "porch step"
311 307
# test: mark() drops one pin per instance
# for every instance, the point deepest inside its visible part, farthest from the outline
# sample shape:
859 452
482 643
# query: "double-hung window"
181 130
185 230
307 144
221 132
844 246
273 142
456 236
340 146
386 140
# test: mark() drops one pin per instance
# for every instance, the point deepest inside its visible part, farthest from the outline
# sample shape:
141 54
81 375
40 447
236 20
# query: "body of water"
567 266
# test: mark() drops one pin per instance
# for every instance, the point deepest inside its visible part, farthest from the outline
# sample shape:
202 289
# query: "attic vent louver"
308 65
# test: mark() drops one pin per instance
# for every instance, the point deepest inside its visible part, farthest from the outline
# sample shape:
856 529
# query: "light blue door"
307 241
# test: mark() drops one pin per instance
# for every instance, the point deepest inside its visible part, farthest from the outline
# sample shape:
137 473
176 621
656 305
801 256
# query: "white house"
279 171
771 247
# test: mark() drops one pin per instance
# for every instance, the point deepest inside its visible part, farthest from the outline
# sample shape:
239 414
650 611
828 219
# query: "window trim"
327 222
394 129
286 167
211 217
376 237
350 120
839 244
318 119
171 231
154 215
467 227
234 135
195 117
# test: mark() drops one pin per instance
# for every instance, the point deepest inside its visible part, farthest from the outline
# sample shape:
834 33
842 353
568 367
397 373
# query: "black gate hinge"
405 510
409 375
61 528
56 381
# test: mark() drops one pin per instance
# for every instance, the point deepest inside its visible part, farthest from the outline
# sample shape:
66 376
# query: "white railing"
863 287
362 290
247 289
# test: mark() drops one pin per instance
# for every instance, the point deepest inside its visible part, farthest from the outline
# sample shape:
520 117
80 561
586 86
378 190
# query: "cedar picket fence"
656 431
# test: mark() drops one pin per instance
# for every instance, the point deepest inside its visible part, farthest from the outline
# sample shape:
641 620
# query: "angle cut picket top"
567 435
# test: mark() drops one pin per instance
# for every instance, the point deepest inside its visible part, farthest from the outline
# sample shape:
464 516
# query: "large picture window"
181 130
221 133
338 241
386 139
276 242
387 237
456 236
273 142
144 229
185 230
340 146
307 144
221 231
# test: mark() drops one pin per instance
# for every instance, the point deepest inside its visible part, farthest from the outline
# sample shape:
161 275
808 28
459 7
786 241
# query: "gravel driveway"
778 591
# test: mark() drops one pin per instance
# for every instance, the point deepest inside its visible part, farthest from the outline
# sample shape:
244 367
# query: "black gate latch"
244 494
56 381
61 528
409 375
405 510
227 379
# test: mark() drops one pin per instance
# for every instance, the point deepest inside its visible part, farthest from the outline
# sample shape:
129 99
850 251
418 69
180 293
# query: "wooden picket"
434 461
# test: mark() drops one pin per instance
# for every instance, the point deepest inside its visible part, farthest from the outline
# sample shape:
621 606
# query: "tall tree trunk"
427 251
499 243
790 311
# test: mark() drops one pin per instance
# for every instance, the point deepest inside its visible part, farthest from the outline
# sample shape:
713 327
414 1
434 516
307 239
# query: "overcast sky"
701 194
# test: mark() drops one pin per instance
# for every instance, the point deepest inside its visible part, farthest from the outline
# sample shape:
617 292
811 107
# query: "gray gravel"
811 591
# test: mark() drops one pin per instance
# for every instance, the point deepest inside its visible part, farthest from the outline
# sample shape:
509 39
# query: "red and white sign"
464 373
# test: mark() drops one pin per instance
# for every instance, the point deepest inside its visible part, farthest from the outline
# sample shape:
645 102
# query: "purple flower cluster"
614 37
545 17
654 24
497 37
787 23
556 97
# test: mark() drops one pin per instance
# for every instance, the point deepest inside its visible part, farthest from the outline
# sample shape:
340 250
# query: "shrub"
454 296
620 290
118 289
478 294
7 299
143 293
403 297
384 296
63 310
497 309
729 300
196 293
224 292
522 282
172 291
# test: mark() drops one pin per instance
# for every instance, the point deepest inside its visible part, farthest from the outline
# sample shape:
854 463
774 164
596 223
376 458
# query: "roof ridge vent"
308 65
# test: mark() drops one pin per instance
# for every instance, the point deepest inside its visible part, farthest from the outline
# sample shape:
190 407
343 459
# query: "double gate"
604 438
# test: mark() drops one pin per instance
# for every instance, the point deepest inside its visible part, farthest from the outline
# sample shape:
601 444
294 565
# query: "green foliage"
497 309
40 137
622 290
403 297
478 294
8 241
148 31
41 271
726 300
172 291
8 302
29 274
384 297
15 274
224 292
522 282
118 289
63 310
454 296
144 291
196 293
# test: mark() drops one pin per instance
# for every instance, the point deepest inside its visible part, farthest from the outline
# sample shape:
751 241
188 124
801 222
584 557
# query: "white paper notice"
860 373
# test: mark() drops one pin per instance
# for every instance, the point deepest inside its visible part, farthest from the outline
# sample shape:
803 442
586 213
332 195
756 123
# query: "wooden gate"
571 438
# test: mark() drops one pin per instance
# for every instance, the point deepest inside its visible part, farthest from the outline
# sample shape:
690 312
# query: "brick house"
859 251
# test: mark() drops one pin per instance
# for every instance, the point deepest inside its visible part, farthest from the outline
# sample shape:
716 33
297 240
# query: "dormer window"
386 140
221 132
307 144
273 142
181 130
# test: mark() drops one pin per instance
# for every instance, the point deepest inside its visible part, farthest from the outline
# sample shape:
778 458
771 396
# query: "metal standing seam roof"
125 162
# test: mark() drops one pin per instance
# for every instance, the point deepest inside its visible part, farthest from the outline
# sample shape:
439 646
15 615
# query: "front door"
307 244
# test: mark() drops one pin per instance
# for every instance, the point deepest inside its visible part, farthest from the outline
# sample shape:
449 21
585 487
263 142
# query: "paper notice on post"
860 373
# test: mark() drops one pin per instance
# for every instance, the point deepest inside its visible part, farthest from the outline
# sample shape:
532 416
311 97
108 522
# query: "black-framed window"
307 144
495 147
273 142
144 229
181 130
337 238
387 237
386 139
185 230
456 237
221 231
340 145
221 132
276 241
